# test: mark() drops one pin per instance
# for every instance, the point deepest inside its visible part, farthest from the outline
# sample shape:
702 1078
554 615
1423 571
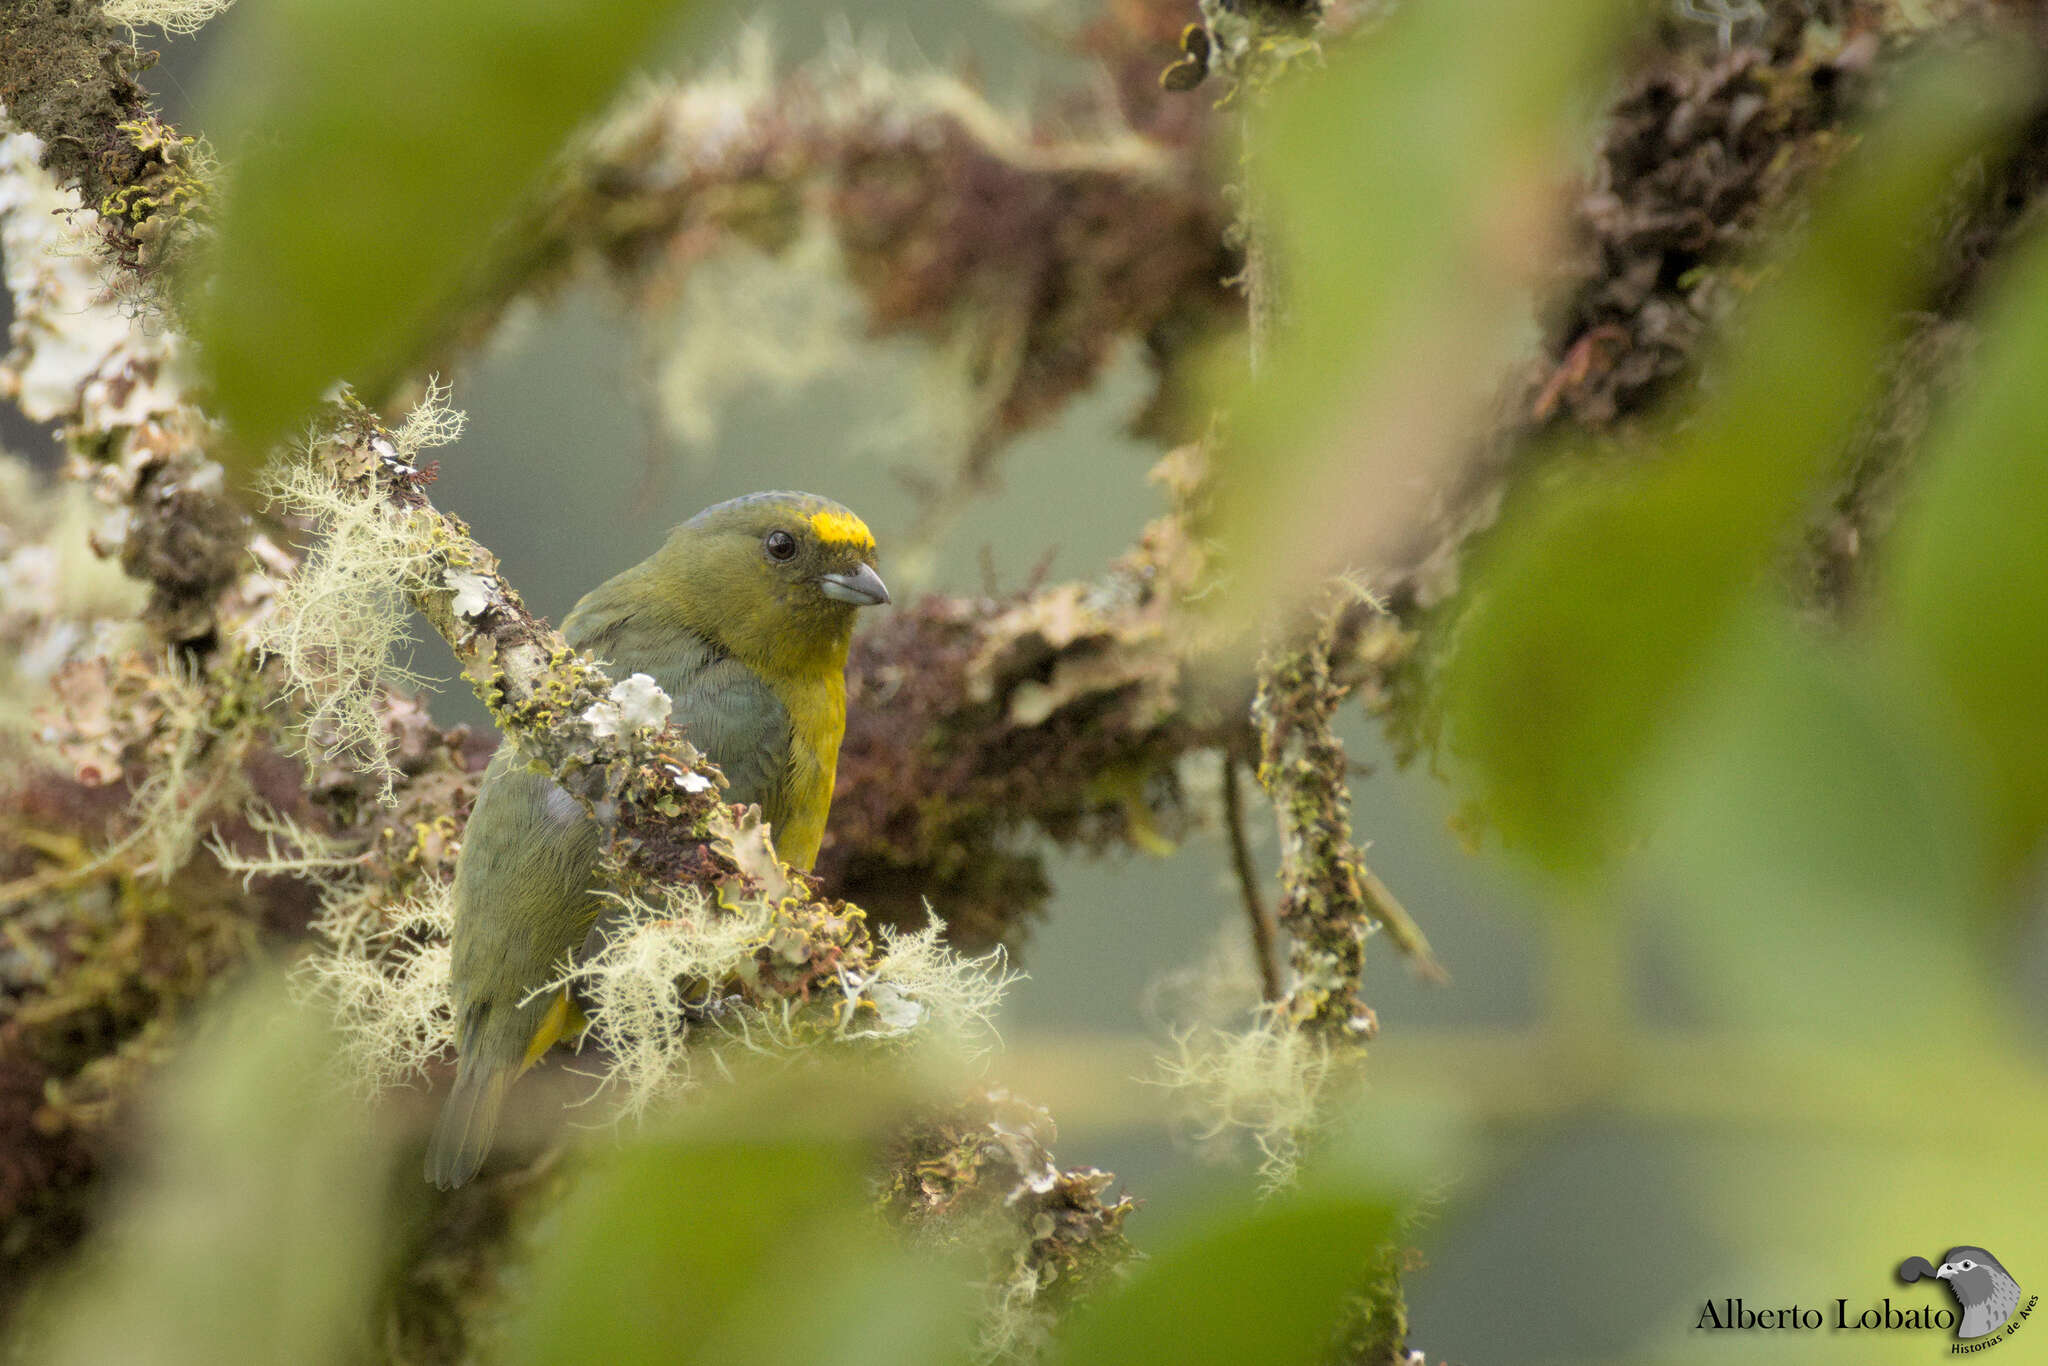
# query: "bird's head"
775 578
1971 1272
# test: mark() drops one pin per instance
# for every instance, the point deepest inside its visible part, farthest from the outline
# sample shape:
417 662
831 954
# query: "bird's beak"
1946 1272
863 587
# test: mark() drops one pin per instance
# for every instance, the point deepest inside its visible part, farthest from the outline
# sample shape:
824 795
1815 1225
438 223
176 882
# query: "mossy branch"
985 1167
651 787
1030 253
70 80
1329 901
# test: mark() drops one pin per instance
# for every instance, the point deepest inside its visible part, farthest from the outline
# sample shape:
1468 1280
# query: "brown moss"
1043 251
111 966
972 722
1697 152
188 542
68 77
1049 266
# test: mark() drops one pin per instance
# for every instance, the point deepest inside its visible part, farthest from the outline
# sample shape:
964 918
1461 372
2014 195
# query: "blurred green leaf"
1969 592
1409 192
252 1230
1821 845
1605 596
1831 1212
1264 1284
748 1236
373 146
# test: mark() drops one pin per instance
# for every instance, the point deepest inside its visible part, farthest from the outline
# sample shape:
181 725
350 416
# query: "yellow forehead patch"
842 528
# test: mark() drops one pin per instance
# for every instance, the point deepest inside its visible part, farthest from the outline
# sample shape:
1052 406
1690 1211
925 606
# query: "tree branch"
1329 902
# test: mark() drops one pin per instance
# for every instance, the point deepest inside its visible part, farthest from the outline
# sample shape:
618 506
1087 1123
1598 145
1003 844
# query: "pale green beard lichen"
1231 1080
381 971
750 323
387 987
197 770
920 983
652 1019
384 974
169 16
432 422
339 623
1262 1082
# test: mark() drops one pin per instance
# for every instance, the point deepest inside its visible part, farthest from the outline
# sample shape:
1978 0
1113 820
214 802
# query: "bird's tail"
469 1121
469 1117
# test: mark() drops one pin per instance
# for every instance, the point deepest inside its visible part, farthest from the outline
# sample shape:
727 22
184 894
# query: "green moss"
1375 1329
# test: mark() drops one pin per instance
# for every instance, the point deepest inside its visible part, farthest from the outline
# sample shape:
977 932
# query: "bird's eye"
1966 1264
781 545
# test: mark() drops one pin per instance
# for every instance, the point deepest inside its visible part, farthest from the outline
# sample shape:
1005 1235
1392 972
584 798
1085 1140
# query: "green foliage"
746 1234
1967 601
373 148
1404 192
1822 821
1606 597
743 1229
1820 841
1248 1287
245 1236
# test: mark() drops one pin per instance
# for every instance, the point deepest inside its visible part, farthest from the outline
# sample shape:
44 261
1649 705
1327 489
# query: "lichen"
1302 767
341 620
384 978
57 598
981 1174
680 972
1264 1082
71 84
85 356
192 765
154 214
181 17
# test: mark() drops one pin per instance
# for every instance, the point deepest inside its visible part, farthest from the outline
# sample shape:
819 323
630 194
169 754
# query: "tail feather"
469 1121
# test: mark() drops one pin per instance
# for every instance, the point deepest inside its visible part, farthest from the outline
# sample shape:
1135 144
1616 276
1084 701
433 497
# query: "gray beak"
863 587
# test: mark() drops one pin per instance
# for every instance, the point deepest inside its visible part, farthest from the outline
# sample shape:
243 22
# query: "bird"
1984 1291
744 617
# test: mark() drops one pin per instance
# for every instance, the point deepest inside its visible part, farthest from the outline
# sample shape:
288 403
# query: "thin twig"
1264 949
1401 928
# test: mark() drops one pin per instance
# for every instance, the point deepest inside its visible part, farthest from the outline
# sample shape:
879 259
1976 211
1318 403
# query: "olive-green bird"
743 618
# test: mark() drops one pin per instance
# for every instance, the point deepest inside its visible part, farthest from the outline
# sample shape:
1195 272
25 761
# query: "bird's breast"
817 721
